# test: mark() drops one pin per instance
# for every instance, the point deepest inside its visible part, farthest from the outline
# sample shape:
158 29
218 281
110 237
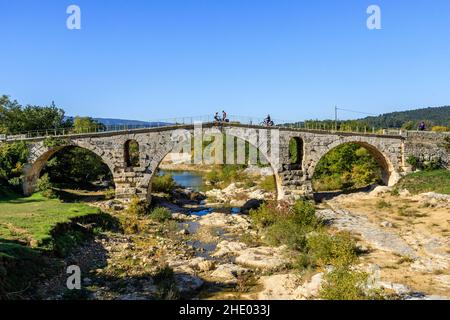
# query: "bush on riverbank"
344 284
163 183
160 214
226 174
313 247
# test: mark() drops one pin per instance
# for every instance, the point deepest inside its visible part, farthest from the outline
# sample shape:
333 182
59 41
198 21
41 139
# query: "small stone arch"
388 172
32 170
296 153
131 153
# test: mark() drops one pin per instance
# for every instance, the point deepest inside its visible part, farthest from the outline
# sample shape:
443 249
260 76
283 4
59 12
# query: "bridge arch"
389 175
33 169
176 145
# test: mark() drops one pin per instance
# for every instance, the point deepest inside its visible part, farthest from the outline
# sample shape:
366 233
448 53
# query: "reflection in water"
186 179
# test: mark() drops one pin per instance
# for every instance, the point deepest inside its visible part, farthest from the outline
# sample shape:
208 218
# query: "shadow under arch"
32 171
178 144
388 174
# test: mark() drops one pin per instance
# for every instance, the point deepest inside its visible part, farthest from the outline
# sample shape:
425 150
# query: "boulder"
228 247
228 273
265 258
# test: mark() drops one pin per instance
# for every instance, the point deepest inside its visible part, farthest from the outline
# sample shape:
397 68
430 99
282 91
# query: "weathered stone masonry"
391 151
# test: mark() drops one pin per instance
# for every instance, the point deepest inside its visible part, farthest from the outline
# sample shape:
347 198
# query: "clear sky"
293 59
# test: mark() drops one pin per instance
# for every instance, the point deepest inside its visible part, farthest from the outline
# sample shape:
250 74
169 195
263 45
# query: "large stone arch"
170 145
390 174
40 154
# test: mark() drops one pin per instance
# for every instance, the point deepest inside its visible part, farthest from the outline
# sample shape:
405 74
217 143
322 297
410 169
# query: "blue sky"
290 58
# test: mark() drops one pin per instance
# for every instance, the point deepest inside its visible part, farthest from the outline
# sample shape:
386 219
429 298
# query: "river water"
186 179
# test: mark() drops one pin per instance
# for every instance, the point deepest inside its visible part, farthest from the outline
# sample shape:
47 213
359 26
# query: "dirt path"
407 237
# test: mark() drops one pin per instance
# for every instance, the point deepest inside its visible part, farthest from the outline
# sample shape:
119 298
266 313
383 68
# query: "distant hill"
124 122
433 116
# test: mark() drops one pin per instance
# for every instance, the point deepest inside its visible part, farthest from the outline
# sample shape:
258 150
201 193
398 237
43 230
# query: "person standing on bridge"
224 116
422 126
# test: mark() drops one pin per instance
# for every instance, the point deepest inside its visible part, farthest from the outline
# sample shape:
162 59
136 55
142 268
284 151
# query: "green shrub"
45 187
268 184
226 174
286 232
137 207
345 284
164 279
337 250
412 161
381 204
434 164
304 213
160 214
163 183
110 194
263 217
284 225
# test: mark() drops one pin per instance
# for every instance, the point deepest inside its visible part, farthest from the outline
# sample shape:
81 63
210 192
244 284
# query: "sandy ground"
407 237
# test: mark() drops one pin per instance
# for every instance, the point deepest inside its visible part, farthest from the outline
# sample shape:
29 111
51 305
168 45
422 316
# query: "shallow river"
187 179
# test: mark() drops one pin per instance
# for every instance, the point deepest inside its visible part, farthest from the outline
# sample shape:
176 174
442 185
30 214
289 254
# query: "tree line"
74 166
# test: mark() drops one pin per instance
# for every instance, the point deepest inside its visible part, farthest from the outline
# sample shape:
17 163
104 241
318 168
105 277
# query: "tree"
345 167
15 118
86 124
12 158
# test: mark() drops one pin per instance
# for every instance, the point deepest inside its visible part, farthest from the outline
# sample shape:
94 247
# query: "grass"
268 184
32 219
34 231
426 181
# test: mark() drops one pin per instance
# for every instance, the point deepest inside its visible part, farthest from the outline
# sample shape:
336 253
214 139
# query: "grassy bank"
35 232
32 219
426 181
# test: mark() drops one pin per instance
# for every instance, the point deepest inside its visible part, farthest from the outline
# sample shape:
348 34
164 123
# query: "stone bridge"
292 179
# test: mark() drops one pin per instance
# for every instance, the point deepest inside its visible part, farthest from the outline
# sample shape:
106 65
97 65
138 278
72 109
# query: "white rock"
228 273
404 193
206 265
310 289
229 247
266 258
386 224
187 282
379 190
